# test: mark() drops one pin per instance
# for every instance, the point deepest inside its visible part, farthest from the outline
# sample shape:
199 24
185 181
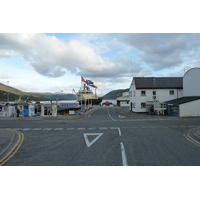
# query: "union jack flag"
82 79
89 82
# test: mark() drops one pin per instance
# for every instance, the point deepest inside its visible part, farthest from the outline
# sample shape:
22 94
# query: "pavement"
11 140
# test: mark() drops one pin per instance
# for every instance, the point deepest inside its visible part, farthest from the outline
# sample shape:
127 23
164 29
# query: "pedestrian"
18 111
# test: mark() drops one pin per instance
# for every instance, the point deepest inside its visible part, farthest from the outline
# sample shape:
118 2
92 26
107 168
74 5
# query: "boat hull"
89 101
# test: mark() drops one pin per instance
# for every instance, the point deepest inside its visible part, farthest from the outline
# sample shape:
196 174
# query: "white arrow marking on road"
88 143
120 116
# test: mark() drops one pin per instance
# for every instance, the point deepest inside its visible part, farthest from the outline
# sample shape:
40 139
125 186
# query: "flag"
94 86
89 82
82 79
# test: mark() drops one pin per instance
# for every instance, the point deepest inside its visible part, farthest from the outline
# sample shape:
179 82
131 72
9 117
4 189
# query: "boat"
86 96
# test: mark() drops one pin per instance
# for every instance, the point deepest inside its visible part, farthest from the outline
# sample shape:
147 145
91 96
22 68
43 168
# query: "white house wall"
190 109
161 95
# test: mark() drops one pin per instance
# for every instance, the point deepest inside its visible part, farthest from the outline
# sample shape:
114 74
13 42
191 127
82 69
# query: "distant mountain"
114 94
55 95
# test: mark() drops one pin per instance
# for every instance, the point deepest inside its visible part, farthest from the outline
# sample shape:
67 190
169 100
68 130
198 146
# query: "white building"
124 100
189 104
147 91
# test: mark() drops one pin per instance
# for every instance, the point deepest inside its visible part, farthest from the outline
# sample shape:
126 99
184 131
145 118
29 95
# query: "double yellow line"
14 149
189 138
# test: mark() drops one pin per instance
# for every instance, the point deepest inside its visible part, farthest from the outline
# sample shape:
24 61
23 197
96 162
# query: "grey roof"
158 82
182 100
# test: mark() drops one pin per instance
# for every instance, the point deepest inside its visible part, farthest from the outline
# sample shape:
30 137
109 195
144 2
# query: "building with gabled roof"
150 91
179 96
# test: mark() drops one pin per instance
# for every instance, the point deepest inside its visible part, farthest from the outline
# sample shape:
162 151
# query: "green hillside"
114 94
15 94
56 96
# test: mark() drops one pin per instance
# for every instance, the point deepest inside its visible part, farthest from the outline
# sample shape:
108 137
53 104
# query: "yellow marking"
15 148
189 138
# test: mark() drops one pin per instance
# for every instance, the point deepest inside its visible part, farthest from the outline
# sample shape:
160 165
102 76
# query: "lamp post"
8 92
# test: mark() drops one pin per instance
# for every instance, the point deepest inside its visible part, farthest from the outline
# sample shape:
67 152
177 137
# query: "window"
171 92
154 92
134 93
143 93
143 105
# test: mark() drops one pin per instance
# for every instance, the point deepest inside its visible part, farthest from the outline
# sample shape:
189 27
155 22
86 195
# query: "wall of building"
138 101
191 82
7 111
190 109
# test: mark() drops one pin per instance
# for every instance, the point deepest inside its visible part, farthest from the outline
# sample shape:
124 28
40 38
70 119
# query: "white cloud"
52 57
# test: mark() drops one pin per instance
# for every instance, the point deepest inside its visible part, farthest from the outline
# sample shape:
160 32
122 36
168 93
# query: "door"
26 111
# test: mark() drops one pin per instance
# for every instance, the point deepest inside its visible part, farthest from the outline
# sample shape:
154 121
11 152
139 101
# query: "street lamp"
8 92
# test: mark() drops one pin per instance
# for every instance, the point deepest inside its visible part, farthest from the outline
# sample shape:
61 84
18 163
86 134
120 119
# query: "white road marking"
110 115
80 128
102 127
26 129
120 134
92 128
36 129
124 160
58 129
88 143
47 129
70 129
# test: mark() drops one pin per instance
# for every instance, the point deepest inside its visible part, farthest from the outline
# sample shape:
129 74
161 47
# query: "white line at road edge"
110 115
124 160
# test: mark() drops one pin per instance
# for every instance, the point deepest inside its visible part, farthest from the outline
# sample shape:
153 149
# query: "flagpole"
81 95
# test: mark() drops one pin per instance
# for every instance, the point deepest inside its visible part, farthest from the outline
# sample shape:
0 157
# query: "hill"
114 94
15 94
56 96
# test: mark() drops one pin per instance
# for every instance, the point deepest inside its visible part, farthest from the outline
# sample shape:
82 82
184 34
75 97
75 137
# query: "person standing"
18 111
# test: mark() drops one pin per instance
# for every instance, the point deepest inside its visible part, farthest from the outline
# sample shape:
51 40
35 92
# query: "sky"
46 46
55 62
109 45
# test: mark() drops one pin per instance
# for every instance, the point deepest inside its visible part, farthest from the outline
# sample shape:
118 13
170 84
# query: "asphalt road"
111 136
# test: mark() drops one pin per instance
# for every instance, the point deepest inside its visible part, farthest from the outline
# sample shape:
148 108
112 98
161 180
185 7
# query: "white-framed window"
171 92
143 93
143 104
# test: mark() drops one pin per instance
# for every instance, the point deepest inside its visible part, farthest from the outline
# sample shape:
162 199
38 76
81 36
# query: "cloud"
52 57
160 51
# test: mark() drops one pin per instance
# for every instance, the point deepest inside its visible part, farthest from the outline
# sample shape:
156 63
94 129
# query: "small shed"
48 109
7 111
26 109
184 107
